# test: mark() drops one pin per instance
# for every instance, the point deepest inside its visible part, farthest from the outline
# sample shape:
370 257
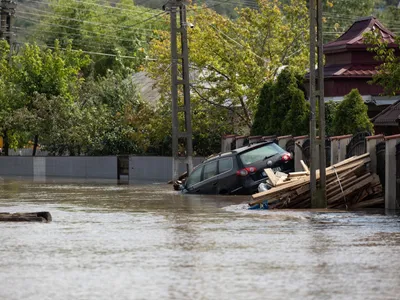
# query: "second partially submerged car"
239 171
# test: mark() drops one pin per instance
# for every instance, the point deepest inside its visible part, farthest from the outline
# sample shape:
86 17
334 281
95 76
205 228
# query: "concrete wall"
155 168
16 166
147 168
82 167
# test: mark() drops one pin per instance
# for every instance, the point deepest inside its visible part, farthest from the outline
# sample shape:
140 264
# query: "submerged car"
239 171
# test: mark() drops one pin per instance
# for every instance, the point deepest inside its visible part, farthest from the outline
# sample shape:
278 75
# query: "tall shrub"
351 115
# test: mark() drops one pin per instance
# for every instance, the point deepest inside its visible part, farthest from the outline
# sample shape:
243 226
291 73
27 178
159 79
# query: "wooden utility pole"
318 192
180 88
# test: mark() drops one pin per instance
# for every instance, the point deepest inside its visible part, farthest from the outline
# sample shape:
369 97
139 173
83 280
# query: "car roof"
236 151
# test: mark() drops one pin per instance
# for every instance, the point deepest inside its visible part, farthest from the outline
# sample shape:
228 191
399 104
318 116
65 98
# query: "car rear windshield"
260 153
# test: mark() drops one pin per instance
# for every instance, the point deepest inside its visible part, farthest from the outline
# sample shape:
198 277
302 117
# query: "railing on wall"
357 145
380 161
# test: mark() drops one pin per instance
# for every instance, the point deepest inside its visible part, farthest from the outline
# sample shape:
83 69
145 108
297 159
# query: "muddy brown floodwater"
146 241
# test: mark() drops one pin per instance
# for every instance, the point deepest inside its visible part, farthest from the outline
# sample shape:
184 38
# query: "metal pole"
322 202
313 140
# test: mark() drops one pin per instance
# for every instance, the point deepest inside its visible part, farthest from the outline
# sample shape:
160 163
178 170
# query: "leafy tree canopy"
351 115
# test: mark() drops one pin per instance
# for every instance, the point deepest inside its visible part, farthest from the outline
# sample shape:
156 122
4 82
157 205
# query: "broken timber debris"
43 217
349 184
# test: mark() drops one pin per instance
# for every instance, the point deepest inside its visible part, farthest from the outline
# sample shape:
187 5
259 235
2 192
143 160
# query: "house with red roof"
349 65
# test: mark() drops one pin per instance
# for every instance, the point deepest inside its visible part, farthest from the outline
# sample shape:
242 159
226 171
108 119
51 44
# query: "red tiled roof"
353 37
350 70
389 116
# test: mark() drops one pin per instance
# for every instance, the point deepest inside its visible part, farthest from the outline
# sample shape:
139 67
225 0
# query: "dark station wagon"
239 171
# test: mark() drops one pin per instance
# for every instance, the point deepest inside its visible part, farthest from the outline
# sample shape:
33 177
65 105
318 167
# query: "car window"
260 153
210 170
194 177
225 164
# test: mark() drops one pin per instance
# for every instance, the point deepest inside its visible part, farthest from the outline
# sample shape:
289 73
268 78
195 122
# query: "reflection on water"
110 241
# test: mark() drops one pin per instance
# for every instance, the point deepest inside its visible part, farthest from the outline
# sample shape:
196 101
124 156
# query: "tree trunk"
35 144
6 143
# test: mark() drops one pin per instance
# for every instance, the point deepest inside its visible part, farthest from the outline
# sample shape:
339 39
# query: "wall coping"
255 136
229 136
269 136
392 137
239 137
301 137
340 137
375 137
284 137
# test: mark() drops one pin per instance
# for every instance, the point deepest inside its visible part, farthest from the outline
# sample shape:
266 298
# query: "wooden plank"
276 192
296 174
271 176
305 168
353 188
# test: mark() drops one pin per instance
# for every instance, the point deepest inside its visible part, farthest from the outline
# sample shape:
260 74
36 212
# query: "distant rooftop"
354 38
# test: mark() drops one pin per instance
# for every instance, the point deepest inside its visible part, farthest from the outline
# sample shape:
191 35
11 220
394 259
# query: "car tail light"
286 157
246 171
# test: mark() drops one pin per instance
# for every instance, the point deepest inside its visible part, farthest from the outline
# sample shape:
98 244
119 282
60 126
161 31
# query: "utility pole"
318 192
180 88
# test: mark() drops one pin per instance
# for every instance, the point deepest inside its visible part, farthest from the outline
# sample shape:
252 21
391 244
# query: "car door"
227 180
209 183
203 180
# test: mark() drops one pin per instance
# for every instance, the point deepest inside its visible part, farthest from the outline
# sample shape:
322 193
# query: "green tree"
351 115
296 121
121 31
330 111
388 75
340 14
39 74
263 114
231 59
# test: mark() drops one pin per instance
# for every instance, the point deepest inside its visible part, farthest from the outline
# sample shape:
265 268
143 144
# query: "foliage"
104 120
351 115
263 114
296 121
340 14
231 60
330 111
388 75
282 107
98 27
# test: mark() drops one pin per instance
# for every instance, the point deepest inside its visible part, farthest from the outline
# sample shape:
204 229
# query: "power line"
76 20
93 53
148 11
77 29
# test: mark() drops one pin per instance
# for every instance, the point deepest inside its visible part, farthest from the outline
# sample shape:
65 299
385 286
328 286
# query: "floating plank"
43 217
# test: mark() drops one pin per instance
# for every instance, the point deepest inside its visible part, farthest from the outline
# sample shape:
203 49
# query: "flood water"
110 241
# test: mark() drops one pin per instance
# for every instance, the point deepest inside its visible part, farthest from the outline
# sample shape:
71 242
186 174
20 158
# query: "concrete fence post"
239 141
338 147
226 142
298 154
282 140
390 171
372 141
334 150
343 140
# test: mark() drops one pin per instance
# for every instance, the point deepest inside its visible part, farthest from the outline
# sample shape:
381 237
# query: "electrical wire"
77 29
78 20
